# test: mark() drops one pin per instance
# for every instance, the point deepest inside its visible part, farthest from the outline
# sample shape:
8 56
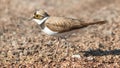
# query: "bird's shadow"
99 52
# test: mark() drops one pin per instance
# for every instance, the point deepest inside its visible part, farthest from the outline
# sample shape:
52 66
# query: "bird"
53 25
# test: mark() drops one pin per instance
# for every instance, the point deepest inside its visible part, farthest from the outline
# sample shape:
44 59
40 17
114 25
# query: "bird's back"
61 24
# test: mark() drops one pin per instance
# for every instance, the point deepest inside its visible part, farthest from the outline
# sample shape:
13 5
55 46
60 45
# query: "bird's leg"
57 47
66 44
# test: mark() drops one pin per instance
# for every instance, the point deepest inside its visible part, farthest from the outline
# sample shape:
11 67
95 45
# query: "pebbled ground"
23 45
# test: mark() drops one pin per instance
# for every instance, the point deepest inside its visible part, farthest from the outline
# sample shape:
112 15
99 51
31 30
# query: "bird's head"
39 16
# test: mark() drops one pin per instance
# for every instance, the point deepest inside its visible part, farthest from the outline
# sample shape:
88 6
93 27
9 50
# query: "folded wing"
61 24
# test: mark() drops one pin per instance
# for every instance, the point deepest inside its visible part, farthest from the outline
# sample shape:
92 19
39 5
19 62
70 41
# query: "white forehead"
37 12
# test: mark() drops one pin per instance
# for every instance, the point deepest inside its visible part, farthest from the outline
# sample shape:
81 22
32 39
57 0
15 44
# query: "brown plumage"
62 24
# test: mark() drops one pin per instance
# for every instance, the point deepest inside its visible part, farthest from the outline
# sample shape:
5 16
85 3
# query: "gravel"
23 45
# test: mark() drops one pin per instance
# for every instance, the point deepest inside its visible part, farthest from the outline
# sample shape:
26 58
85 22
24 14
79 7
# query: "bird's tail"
92 23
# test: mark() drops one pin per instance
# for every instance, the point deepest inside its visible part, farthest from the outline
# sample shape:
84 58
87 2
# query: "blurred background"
23 44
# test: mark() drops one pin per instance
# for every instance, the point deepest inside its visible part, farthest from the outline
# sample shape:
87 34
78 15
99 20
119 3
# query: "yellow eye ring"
38 17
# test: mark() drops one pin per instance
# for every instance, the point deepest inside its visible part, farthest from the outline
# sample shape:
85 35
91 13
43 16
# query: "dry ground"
23 45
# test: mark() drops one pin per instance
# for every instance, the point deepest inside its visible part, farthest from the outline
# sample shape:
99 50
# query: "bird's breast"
48 31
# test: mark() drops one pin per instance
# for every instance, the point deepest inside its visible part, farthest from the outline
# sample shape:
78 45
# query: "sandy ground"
23 45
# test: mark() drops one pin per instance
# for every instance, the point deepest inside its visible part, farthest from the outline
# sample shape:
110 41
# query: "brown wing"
61 24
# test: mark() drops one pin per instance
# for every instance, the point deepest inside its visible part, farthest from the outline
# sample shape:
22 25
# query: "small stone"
49 43
76 56
89 58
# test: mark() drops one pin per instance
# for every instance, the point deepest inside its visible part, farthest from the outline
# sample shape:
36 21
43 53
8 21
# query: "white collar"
40 21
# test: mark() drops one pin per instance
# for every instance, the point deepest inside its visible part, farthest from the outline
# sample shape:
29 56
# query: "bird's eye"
37 15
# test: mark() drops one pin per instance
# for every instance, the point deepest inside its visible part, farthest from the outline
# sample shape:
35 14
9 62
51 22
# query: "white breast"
48 31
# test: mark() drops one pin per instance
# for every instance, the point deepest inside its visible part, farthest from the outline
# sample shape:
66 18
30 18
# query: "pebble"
76 56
